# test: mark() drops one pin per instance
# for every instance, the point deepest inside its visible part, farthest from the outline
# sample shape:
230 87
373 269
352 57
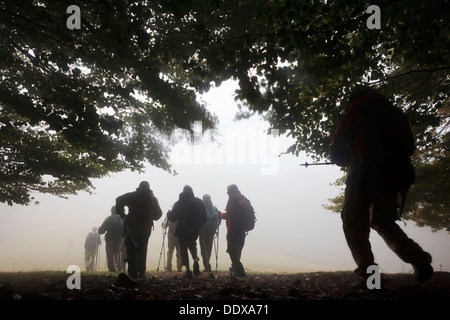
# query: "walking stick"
162 248
216 248
97 255
128 234
106 257
306 164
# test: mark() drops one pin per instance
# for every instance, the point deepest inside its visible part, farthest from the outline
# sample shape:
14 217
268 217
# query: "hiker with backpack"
143 209
91 244
190 213
240 218
113 227
208 231
375 142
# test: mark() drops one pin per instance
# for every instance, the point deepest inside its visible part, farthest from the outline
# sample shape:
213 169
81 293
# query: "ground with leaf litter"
219 286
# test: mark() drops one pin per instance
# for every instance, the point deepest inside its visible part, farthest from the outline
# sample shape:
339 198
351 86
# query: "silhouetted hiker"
143 209
172 244
113 226
190 213
375 141
208 231
234 214
91 249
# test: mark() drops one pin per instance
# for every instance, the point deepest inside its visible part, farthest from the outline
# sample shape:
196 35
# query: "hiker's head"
188 190
207 199
144 185
232 189
357 93
113 210
94 229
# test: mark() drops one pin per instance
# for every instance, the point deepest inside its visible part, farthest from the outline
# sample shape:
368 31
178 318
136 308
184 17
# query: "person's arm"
104 227
218 220
121 202
223 215
174 214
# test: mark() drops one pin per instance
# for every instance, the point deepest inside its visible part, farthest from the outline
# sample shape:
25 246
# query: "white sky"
293 231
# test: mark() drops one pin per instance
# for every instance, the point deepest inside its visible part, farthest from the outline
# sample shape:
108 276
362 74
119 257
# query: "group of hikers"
373 141
190 219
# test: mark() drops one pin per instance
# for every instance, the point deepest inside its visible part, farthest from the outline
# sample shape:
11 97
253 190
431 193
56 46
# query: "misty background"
294 233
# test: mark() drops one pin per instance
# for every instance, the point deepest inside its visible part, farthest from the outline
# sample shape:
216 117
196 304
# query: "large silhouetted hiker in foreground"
240 218
375 141
190 213
143 209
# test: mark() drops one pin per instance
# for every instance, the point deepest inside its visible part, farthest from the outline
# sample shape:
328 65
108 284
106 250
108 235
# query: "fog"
293 232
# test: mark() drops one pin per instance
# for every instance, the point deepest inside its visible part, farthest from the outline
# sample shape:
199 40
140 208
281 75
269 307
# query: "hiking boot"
423 269
207 268
240 274
237 273
362 271
188 274
196 268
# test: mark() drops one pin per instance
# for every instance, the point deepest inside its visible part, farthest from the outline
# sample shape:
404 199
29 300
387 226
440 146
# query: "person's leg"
208 250
192 245
132 257
178 256
109 247
356 226
115 252
89 256
170 247
235 243
184 256
203 250
142 256
383 220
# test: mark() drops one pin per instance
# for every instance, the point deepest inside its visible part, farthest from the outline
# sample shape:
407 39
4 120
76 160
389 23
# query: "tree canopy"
70 106
78 104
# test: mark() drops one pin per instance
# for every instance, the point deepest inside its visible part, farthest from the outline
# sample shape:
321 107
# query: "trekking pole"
306 164
162 248
129 234
216 248
98 258
106 258
96 255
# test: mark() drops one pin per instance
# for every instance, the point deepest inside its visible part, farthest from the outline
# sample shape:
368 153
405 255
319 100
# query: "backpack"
212 220
247 218
391 146
115 227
